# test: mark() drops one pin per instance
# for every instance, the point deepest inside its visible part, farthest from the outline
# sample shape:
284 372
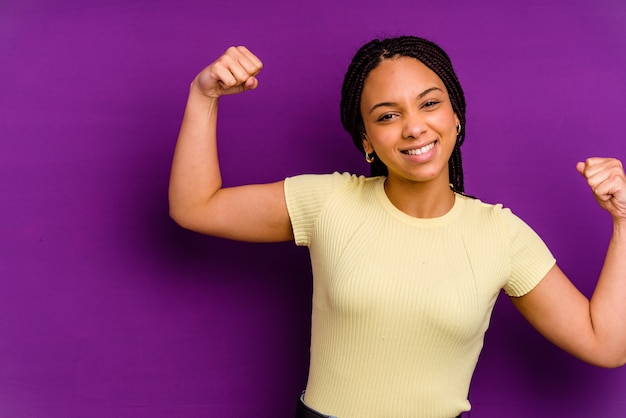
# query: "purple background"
109 309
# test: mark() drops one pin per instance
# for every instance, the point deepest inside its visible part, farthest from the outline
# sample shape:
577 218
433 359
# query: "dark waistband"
305 411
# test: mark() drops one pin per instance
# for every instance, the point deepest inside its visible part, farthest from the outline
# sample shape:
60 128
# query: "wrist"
197 92
619 230
198 99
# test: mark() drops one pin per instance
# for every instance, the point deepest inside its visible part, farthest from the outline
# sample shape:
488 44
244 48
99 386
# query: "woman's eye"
430 103
385 117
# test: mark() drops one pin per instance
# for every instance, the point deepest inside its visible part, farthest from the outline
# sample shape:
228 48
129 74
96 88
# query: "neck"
421 199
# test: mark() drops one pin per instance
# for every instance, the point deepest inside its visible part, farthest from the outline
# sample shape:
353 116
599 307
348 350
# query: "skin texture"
404 107
197 200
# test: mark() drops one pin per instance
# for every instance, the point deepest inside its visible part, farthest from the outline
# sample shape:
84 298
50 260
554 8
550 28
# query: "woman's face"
409 120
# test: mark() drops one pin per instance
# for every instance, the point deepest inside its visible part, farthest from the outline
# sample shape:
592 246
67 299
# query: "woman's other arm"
196 197
592 330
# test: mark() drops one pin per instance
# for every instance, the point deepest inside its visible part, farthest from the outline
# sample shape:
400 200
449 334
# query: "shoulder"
481 215
327 183
475 207
308 196
336 177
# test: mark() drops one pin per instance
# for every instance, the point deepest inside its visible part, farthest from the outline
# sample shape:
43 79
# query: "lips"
421 150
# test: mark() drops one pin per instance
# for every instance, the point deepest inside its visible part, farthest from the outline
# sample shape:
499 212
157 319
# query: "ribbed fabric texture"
400 304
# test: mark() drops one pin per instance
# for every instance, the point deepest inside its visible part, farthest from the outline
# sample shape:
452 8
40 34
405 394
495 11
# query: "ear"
367 146
457 121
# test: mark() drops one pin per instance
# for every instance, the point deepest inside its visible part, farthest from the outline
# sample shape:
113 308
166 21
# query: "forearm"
608 303
195 174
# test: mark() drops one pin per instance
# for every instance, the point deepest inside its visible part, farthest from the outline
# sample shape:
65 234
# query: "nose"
414 125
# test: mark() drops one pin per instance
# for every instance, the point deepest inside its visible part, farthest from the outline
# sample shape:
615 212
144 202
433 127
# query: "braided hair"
368 57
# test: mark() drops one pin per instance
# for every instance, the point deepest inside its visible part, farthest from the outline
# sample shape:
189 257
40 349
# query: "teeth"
419 151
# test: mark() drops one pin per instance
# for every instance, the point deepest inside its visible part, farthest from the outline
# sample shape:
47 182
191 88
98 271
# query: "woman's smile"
422 153
409 121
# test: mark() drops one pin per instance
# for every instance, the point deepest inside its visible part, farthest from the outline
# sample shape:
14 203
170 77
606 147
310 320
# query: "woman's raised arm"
592 330
196 197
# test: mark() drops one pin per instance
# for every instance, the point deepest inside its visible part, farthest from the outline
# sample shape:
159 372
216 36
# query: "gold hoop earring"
369 158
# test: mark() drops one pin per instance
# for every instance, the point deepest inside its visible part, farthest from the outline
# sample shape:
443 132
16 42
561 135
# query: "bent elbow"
609 361
615 358
616 363
179 216
191 219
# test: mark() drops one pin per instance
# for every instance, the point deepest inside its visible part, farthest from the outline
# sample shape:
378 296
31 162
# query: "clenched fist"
606 178
235 71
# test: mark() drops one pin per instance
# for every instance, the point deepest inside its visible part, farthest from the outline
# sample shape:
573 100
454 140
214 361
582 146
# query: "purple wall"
109 309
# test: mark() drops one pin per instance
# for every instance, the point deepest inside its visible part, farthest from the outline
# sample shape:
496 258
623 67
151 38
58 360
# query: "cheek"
380 133
383 139
446 125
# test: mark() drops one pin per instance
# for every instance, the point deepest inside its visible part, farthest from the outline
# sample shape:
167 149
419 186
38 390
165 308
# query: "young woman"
406 267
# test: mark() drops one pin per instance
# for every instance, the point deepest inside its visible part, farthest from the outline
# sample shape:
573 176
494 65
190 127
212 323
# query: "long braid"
369 57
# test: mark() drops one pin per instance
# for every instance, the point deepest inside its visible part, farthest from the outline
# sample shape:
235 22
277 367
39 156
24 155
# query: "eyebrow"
419 96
